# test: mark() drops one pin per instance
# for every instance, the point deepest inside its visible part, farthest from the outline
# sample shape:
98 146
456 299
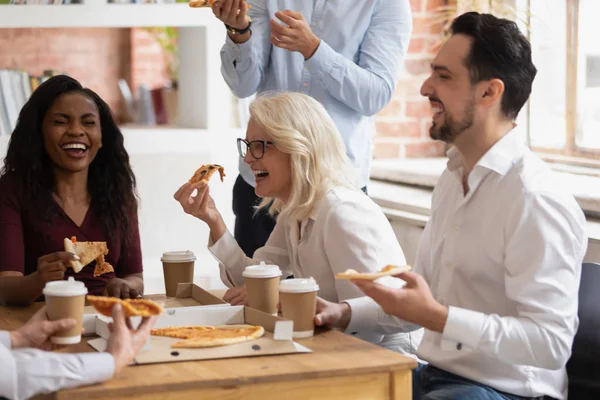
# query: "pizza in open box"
131 307
389 270
210 336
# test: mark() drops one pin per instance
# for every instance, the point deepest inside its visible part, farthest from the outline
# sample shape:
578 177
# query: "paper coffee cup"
298 298
178 267
65 299
262 283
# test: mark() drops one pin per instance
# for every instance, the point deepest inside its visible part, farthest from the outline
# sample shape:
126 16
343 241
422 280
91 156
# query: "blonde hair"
301 127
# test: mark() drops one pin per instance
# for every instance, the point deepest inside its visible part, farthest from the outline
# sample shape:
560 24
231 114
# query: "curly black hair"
501 51
111 182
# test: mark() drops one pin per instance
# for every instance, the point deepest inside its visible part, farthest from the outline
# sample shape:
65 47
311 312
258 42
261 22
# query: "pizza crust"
389 270
131 307
204 173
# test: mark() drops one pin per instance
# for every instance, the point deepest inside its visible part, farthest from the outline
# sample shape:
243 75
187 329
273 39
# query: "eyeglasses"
257 147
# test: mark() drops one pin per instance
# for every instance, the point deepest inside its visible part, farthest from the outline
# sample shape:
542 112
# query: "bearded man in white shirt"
28 371
497 274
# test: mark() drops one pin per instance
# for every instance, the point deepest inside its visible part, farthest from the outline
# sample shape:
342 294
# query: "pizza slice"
204 173
201 3
131 307
388 270
221 336
87 252
102 267
206 3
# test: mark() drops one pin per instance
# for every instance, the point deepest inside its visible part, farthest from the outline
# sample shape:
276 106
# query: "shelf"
105 15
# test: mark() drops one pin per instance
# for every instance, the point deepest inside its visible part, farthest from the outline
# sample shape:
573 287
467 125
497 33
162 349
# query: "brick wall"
148 64
403 126
97 57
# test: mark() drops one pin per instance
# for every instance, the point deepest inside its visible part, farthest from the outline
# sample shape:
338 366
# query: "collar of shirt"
499 159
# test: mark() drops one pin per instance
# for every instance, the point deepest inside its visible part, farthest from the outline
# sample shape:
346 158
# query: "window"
563 114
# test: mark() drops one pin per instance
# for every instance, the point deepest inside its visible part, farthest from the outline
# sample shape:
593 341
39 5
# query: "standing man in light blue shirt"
345 54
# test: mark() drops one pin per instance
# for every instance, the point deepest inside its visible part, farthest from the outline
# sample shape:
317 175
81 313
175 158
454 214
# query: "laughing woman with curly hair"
66 173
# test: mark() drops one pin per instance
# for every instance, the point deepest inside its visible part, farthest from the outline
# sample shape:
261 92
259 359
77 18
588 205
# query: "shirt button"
313 24
456 228
459 346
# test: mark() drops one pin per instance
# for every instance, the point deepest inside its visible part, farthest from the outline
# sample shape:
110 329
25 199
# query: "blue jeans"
431 383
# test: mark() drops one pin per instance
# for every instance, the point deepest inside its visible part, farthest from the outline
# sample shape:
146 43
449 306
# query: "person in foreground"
28 371
347 56
325 224
498 265
66 173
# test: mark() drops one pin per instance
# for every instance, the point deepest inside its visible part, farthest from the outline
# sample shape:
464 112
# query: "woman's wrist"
217 229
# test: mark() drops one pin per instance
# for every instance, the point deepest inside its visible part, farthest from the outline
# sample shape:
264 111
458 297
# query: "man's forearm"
20 290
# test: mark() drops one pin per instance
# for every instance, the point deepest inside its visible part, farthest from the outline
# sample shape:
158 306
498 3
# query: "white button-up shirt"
27 372
506 258
347 230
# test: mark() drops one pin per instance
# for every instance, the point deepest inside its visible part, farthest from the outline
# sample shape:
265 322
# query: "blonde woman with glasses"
325 225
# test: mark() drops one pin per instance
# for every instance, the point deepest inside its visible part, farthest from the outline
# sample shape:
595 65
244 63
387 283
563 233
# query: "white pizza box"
188 294
276 340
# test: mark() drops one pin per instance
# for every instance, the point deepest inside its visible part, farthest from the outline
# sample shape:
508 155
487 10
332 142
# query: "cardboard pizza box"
188 295
276 340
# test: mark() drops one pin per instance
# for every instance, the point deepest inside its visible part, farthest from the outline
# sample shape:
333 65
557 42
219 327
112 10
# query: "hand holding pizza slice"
88 252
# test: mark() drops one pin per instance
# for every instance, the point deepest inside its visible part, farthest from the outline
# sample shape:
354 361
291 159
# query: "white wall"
163 224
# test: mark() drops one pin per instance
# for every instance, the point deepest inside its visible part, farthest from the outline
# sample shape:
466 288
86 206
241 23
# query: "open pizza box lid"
276 340
188 294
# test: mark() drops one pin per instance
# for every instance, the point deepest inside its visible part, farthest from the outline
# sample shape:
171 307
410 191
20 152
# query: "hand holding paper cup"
66 299
262 282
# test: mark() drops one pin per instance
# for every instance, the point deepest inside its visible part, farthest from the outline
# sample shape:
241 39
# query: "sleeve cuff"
238 52
226 251
5 339
364 317
323 61
97 367
464 326
223 248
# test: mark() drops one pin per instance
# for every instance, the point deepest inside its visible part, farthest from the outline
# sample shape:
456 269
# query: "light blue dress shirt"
353 73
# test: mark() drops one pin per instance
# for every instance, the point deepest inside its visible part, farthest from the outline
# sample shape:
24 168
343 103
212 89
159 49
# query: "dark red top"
24 239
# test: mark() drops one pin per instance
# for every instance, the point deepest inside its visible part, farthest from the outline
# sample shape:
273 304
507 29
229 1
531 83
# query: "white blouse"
346 230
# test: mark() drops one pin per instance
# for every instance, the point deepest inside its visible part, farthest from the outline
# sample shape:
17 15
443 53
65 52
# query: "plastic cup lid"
67 288
178 256
298 285
261 271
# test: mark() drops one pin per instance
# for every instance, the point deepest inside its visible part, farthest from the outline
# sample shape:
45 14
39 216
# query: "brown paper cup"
66 299
178 267
298 298
263 293
262 284
176 273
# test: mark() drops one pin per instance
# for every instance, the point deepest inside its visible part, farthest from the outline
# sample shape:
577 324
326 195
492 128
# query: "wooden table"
340 367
